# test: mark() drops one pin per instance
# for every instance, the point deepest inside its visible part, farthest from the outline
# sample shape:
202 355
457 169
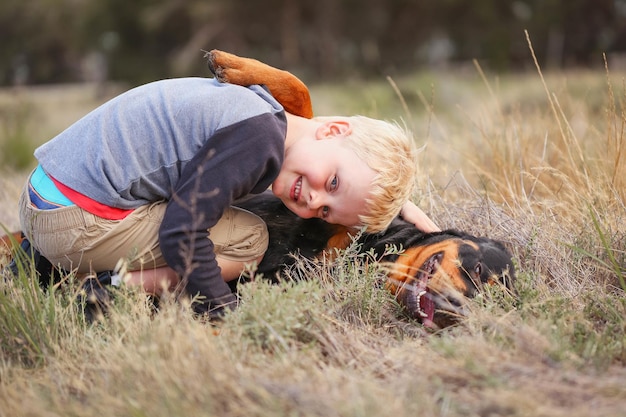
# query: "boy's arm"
235 162
413 214
286 88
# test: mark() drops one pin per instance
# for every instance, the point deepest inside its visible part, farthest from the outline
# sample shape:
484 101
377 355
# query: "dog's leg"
286 88
341 239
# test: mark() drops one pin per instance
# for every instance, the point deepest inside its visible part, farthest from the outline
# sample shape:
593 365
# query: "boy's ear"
333 128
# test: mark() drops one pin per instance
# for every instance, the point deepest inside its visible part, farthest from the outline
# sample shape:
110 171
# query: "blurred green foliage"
45 41
16 144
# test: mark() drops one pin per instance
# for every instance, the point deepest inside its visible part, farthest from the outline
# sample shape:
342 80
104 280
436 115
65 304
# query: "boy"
150 176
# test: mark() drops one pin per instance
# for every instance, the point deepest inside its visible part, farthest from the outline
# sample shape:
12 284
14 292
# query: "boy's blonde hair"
389 150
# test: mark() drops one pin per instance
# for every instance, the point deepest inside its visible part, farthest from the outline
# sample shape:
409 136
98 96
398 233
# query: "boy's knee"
240 236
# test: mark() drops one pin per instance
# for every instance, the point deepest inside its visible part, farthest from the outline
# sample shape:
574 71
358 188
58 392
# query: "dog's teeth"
422 314
419 294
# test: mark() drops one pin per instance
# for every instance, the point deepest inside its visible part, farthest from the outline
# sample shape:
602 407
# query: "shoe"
27 258
95 297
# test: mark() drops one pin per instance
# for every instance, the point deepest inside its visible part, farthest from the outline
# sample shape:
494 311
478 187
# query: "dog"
431 276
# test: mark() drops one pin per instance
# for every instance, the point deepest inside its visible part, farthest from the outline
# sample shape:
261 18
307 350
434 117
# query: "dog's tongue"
427 305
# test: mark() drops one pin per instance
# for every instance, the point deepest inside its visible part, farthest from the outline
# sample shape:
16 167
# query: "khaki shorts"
80 241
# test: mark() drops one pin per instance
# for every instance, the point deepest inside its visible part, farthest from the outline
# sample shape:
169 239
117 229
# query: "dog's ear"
286 88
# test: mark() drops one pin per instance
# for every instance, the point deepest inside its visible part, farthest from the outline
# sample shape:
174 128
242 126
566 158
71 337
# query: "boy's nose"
315 201
311 201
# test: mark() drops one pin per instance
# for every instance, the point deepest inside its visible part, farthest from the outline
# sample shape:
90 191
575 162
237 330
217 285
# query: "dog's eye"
478 269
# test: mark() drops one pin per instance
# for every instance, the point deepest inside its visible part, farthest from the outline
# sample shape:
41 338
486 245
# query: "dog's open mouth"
414 295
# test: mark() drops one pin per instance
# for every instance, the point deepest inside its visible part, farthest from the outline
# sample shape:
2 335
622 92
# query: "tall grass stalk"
30 323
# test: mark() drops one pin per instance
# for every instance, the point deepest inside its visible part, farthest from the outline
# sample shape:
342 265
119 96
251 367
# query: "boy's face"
321 177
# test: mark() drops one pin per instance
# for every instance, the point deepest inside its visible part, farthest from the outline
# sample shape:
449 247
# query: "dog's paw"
228 68
214 63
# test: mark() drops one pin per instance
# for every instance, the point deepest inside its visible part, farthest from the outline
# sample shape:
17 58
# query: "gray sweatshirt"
193 138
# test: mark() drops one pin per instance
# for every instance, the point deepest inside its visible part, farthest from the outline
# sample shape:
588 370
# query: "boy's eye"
333 183
325 211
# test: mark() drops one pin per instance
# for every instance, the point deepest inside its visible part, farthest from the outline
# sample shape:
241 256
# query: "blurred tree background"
52 41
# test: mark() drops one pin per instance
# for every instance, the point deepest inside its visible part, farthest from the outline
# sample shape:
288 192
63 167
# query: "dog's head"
435 273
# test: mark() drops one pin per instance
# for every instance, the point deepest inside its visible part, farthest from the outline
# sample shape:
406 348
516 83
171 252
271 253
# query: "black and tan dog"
434 275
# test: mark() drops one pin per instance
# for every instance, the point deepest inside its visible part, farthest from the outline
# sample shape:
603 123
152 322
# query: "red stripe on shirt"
90 205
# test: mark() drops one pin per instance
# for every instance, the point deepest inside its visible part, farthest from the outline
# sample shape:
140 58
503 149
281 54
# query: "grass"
536 160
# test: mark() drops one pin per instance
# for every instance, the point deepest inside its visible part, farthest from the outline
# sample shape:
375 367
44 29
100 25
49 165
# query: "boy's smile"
296 189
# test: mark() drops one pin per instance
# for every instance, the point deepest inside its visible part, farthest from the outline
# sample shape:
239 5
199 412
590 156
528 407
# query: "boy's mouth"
296 188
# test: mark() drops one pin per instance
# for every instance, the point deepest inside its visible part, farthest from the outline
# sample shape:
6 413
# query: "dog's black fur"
289 234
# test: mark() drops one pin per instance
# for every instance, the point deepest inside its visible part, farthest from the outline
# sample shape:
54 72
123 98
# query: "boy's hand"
413 214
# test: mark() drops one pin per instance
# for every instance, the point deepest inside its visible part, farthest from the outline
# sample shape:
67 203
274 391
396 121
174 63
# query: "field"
536 160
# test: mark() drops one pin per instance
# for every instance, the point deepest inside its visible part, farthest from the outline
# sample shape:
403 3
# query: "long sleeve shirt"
194 142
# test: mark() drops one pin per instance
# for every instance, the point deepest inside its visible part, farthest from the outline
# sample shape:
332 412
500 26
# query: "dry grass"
537 163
